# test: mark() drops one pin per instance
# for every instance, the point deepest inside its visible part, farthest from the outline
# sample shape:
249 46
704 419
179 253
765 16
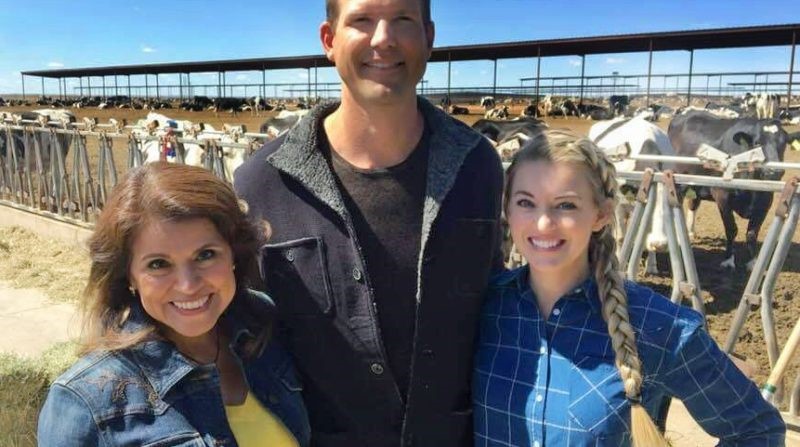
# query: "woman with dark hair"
176 348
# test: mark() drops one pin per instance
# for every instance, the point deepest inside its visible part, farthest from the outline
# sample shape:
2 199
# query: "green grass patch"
23 386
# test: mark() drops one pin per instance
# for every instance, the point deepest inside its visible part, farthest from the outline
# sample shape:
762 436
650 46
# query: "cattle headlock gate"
40 177
760 287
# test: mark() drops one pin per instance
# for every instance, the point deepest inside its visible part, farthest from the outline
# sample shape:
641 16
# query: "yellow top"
253 425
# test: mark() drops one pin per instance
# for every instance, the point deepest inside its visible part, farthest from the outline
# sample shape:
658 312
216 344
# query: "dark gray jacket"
315 271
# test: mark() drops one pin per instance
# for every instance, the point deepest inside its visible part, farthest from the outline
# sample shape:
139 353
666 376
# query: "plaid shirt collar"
585 291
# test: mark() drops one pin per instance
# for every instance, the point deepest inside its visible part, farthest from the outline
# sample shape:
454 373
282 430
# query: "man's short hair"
332 11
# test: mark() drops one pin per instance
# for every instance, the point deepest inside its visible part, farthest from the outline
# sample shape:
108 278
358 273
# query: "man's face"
380 48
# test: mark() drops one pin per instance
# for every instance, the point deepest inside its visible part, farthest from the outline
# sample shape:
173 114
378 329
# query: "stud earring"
132 290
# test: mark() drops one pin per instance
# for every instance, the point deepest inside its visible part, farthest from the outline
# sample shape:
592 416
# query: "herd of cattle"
152 138
733 129
255 104
761 105
688 130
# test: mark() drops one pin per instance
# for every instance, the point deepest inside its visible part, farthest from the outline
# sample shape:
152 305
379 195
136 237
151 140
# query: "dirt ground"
722 289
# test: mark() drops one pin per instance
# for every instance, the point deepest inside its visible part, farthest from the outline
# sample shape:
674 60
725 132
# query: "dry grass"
29 261
23 386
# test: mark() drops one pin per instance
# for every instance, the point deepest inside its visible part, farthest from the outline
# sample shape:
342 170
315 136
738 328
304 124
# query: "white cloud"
55 64
575 62
148 49
614 60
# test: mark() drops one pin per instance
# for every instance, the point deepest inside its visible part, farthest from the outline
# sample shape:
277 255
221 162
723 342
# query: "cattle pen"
73 188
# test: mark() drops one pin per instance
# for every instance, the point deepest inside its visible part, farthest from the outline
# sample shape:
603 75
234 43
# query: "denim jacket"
152 395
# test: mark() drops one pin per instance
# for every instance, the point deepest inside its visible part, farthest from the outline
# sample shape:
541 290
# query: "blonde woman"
569 353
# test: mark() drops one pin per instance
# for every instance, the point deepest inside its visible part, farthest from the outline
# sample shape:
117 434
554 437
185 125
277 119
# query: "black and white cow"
593 111
282 122
488 103
457 110
732 136
619 104
644 138
501 131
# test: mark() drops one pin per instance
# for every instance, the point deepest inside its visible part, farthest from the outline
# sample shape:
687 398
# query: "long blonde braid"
560 146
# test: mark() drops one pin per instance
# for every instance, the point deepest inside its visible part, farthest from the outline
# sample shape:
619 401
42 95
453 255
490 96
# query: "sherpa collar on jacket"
449 144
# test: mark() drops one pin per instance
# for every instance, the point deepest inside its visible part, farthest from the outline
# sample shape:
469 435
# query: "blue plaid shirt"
553 382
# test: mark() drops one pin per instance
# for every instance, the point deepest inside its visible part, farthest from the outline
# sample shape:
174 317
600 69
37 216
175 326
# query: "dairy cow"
643 138
732 136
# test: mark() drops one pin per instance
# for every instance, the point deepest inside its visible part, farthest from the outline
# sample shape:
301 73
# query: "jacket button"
357 274
289 255
376 369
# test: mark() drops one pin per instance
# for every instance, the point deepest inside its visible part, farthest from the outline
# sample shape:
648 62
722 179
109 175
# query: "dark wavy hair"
158 191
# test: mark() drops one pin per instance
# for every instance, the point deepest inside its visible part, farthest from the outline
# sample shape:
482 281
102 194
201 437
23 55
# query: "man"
384 214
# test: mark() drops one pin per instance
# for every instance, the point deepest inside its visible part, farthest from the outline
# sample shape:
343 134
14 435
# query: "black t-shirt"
386 207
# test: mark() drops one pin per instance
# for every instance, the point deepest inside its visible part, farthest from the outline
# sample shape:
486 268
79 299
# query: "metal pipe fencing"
48 167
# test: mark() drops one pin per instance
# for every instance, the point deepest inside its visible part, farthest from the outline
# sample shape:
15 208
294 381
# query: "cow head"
771 137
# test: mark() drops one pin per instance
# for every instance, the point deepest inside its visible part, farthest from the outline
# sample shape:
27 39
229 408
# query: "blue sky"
42 34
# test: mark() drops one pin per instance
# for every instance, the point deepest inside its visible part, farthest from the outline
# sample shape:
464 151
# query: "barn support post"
689 87
116 86
316 81
583 72
219 84
719 91
449 63
649 74
308 79
189 92
23 86
263 82
158 95
146 87
80 86
104 87
791 70
538 72
89 85
494 80
130 96
708 80
180 86
42 78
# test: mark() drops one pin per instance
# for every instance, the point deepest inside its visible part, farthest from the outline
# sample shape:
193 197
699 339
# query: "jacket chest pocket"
296 275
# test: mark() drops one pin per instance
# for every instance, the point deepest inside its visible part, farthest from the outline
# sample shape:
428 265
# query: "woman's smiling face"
183 272
552 213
